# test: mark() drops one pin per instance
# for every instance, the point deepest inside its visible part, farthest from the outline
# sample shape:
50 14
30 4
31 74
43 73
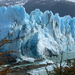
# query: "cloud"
66 0
71 1
1 0
13 2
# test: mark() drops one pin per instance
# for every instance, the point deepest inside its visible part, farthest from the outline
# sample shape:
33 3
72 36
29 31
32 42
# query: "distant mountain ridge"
62 7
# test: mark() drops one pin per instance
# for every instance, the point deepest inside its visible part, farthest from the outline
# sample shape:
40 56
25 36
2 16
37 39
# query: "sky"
71 0
10 2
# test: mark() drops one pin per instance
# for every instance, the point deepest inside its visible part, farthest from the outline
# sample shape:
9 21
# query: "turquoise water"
65 56
34 63
42 71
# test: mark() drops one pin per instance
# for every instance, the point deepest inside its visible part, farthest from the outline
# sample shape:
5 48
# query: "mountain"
36 35
63 7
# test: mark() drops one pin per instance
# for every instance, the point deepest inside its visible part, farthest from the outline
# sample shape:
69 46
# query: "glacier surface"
38 34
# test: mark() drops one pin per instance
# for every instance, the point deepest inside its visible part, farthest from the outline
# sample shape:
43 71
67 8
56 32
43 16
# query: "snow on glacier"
36 34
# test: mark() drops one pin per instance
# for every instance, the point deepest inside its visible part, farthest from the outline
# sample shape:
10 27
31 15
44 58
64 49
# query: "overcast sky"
71 0
11 2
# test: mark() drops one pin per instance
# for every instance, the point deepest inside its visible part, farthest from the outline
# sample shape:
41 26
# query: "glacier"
38 34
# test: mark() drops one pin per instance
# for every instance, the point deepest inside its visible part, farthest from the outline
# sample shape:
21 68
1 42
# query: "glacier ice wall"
36 34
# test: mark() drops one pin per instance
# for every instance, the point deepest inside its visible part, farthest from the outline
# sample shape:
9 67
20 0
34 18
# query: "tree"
67 70
5 59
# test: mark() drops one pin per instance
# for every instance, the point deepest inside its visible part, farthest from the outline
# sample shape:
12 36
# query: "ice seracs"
36 34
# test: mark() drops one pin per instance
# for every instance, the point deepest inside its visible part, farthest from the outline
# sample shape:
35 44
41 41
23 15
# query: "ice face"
38 34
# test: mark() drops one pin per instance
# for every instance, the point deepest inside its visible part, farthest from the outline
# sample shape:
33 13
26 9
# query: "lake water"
42 71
